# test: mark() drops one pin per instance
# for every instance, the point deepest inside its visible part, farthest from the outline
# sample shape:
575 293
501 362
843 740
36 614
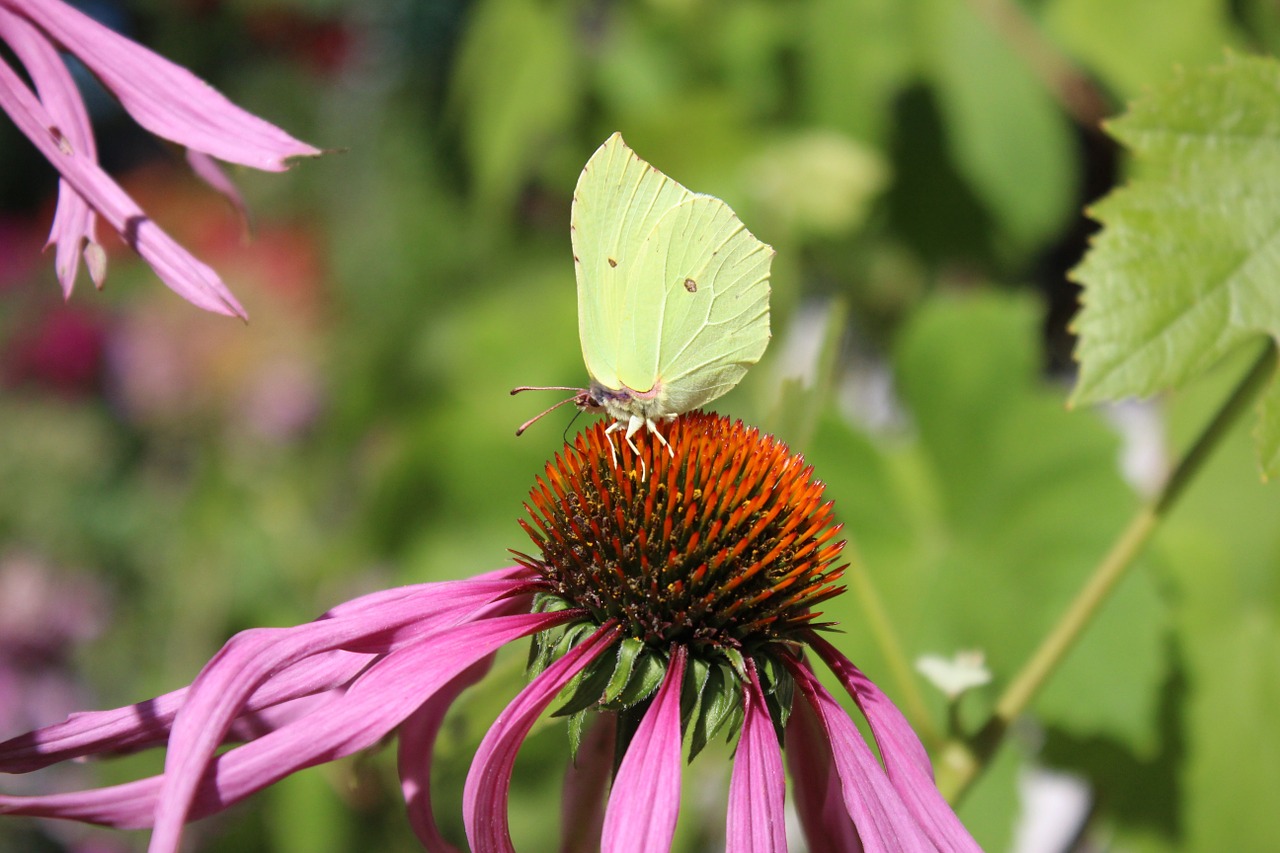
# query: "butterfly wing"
709 318
617 204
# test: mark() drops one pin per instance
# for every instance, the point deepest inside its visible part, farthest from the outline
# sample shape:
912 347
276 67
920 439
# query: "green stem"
961 762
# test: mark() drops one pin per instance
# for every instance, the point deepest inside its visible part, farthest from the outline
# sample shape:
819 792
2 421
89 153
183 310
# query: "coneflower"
164 98
671 597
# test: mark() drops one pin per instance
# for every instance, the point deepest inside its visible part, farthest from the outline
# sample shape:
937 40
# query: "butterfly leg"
653 428
633 426
608 434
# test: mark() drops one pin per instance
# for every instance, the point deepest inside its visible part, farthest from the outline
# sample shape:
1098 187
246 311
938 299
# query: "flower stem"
961 762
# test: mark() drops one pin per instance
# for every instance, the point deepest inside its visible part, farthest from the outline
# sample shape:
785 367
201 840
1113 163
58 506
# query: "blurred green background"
170 477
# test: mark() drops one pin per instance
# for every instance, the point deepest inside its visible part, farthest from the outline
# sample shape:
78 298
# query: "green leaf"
1007 136
1101 34
516 84
1221 547
861 47
1267 435
1187 267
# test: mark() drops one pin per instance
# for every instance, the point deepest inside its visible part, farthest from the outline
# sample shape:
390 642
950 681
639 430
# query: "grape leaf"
1187 266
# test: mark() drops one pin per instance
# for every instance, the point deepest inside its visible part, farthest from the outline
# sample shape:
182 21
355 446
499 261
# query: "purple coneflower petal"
645 800
165 98
417 740
74 221
397 616
208 170
905 759
757 789
148 723
816 785
251 657
484 804
585 784
883 821
440 591
176 267
377 702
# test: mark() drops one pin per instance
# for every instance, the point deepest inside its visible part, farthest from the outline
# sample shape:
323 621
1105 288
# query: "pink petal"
440 591
819 795
645 801
177 268
417 740
585 783
73 221
395 617
163 97
208 170
251 657
147 723
904 756
488 782
376 703
757 789
882 819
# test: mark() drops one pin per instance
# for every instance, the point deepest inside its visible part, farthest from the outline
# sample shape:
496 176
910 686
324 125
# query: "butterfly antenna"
533 420
515 391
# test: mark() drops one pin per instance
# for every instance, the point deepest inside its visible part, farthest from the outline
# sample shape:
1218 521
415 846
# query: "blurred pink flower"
60 351
164 98
47 612
668 605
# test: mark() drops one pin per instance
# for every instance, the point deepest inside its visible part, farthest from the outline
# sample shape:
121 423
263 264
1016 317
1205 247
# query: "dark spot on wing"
612 262
690 285
576 260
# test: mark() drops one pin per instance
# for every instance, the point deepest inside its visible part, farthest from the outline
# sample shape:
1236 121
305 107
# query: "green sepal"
577 725
542 651
554 643
720 705
545 602
696 674
644 676
629 651
585 689
737 661
779 690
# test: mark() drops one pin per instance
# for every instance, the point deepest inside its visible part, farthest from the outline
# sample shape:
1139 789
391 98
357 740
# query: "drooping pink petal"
757 789
645 800
416 745
817 790
394 617
176 267
440 591
208 170
73 221
488 782
163 97
251 657
148 723
585 784
904 756
377 702
883 820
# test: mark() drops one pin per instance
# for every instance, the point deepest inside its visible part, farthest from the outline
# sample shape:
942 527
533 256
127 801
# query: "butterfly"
673 294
